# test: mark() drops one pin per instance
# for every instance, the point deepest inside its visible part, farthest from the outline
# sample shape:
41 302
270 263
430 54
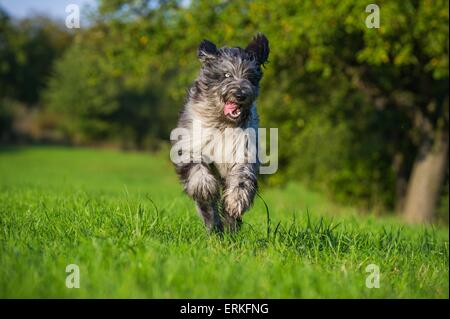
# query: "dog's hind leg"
210 215
231 224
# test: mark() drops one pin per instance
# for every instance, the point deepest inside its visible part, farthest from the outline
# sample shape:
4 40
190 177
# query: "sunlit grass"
123 218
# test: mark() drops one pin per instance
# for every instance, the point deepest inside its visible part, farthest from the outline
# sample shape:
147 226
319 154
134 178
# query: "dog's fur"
227 75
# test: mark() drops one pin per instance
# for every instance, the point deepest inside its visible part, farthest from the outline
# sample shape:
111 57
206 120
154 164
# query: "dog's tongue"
229 108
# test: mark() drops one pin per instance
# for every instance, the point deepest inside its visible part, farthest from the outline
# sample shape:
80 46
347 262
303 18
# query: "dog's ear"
259 48
207 51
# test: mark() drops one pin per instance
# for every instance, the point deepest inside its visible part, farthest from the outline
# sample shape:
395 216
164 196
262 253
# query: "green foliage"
85 96
105 91
122 218
7 115
350 102
27 51
28 48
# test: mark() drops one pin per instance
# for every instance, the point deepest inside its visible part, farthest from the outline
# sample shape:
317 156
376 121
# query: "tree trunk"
401 182
426 180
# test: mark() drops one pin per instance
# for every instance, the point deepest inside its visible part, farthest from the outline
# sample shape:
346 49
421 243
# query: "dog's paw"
231 224
238 200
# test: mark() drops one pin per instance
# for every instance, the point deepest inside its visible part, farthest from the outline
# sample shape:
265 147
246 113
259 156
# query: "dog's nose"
240 95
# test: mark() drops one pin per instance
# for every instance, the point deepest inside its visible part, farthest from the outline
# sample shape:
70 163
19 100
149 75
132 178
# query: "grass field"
123 219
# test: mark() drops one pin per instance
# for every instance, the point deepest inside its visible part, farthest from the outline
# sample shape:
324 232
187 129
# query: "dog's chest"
225 147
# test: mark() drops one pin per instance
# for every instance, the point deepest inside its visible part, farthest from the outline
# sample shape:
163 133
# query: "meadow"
123 219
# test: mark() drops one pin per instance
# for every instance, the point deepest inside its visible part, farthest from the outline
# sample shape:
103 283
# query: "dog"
223 98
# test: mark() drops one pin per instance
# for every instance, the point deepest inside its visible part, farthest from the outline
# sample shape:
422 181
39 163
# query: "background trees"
362 113
28 49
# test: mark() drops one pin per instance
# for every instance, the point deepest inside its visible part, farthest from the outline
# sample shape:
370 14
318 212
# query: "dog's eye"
227 75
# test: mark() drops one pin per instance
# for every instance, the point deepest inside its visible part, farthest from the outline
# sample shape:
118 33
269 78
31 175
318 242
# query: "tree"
28 49
362 112
400 70
27 52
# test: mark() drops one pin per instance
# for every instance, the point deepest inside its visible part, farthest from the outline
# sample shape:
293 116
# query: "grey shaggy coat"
223 96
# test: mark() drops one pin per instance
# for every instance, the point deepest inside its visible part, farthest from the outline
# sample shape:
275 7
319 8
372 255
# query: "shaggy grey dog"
223 97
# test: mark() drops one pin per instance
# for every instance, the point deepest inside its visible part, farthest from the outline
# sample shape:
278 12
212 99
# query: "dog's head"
230 76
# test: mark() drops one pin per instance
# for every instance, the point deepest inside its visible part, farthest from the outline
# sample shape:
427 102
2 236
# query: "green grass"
123 218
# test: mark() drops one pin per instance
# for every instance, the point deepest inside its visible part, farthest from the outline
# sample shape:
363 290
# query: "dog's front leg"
203 187
239 191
